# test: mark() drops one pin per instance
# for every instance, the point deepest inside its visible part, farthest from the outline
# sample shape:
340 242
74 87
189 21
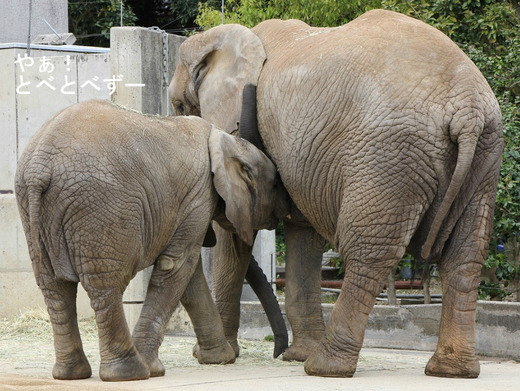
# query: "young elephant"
105 192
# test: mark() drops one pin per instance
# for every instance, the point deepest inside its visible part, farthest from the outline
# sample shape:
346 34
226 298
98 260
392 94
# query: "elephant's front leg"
303 295
212 346
231 259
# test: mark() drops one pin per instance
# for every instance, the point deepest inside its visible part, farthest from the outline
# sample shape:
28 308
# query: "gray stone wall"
14 20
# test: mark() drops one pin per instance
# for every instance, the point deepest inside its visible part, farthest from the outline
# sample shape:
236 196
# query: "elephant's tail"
40 256
467 143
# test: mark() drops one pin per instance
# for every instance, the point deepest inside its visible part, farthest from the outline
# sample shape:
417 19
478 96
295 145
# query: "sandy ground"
27 357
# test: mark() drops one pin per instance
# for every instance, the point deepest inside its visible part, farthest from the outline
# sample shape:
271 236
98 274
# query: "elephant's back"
117 173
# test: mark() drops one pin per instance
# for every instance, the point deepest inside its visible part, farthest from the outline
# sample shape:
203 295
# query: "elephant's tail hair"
467 144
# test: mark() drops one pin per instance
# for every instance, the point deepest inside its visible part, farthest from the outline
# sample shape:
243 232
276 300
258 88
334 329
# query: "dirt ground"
27 357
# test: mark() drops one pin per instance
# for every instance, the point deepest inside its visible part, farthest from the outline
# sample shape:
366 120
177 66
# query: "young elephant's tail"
467 140
33 194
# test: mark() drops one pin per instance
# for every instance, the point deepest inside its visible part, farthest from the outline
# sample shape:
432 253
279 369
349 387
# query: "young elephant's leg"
60 298
231 259
459 269
120 360
169 279
212 347
303 295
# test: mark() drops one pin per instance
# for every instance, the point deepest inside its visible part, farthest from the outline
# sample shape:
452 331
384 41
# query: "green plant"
90 21
280 247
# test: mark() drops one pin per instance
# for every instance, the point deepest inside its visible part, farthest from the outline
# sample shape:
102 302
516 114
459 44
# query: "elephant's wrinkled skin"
104 192
388 139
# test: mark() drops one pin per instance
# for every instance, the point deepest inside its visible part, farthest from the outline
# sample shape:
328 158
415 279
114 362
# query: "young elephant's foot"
324 362
76 367
451 366
223 354
132 367
300 350
154 365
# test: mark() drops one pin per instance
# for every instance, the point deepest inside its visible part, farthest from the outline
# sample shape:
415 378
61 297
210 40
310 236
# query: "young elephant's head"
247 181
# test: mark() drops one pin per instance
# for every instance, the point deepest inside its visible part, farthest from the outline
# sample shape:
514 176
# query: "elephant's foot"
223 354
76 367
154 364
132 367
232 343
324 362
451 366
300 350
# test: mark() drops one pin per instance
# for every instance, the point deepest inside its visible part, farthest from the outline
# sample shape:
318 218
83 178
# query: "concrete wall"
411 327
14 20
26 105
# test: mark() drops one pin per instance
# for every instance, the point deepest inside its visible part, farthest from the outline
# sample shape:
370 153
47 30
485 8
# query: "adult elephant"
388 139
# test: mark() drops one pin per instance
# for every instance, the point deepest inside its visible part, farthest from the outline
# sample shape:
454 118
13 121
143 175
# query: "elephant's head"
247 182
213 69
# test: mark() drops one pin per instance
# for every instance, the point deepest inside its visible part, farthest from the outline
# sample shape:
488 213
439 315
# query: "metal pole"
29 33
222 11
52 28
121 4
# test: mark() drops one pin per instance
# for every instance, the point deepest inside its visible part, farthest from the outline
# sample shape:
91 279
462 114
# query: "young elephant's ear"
232 182
244 177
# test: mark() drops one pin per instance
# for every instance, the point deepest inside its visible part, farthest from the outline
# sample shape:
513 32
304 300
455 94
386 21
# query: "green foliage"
476 21
316 13
185 11
280 247
269 338
91 21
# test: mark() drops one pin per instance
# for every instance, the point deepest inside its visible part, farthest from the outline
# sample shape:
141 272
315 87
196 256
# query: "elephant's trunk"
257 280
248 126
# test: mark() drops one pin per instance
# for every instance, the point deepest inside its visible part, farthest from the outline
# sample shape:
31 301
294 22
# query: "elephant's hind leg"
459 269
170 276
60 298
337 353
120 360
212 345
371 242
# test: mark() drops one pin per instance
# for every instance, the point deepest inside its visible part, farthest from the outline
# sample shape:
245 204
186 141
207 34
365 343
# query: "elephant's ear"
245 179
220 62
